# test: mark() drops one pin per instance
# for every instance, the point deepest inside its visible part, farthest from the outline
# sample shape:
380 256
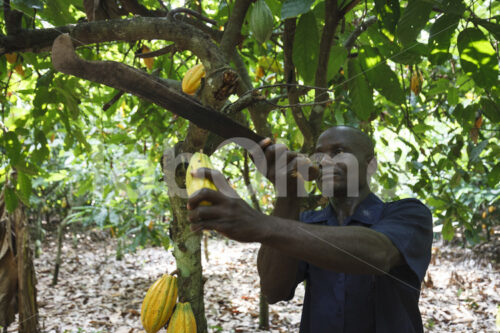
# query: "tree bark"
28 309
187 245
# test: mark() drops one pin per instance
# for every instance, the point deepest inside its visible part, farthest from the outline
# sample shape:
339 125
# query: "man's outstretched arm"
348 249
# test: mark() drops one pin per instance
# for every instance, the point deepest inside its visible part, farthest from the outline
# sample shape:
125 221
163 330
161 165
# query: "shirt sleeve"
408 224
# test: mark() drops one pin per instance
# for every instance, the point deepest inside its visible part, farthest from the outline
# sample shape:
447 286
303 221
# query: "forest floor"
97 293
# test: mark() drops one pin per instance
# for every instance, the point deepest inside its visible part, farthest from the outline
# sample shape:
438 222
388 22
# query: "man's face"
343 154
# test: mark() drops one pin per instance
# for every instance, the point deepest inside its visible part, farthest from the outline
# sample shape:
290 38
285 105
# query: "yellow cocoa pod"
484 215
147 61
158 304
491 209
192 80
416 82
182 320
193 184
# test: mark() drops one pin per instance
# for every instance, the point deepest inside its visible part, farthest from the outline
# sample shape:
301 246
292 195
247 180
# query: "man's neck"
345 206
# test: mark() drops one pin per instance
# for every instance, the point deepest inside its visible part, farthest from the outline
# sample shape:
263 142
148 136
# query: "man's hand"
229 214
284 168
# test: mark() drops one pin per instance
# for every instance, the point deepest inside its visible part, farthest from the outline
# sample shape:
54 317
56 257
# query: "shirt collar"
369 212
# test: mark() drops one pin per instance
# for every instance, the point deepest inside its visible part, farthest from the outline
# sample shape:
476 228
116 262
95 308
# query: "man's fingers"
216 224
218 179
204 213
205 194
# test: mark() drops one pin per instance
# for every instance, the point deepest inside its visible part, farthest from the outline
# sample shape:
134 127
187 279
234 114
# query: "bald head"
355 136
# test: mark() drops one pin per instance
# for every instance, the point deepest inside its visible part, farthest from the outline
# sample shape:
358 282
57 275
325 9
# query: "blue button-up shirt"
356 303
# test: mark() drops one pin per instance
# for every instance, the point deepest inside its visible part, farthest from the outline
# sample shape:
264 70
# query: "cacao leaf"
478 58
388 12
12 146
306 47
24 184
381 76
11 201
494 176
439 39
491 110
493 28
338 56
476 151
359 91
294 8
414 18
448 231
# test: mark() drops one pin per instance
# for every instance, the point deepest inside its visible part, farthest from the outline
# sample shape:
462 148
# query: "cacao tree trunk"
28 309
187 244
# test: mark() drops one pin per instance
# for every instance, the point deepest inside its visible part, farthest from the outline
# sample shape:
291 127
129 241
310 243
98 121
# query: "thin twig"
113 100
174 12
167 49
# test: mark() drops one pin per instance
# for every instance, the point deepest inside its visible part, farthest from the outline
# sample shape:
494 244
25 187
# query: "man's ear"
372 167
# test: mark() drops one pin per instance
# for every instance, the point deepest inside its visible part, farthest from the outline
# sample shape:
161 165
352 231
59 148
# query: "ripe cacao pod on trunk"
158 304
192 79
182 320
193 184
261 21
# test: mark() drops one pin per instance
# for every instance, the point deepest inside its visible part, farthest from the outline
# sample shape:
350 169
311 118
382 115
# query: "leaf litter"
97 293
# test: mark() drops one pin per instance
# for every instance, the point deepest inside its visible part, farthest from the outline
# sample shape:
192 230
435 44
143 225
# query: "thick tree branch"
132 80
293 93
232 33
331 22
348 7
12 18
183 35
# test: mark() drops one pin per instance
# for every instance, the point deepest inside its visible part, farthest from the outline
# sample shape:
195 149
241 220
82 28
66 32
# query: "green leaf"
381 76
494 176
359 91
338 56
293 8
385 46
448 231
388 12
306 47
493 28
452 96
24 185
26 5
455 7
478 58
455 180
132 195
57 12
45 80
476 151
491 110
12 146
11 201
415 17
440 38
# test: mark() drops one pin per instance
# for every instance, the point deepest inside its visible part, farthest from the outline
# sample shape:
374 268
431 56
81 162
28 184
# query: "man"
363 260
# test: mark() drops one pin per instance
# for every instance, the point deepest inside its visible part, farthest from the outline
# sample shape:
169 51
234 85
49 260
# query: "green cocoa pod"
261 21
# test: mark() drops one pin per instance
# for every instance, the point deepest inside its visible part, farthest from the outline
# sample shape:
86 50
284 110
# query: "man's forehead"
346 136
342 134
